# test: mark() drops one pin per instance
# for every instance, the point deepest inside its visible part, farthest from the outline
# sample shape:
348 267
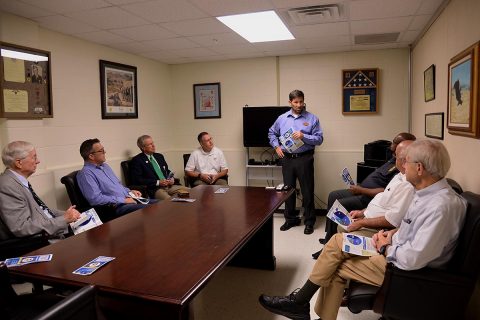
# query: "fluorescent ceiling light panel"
258 27
22 55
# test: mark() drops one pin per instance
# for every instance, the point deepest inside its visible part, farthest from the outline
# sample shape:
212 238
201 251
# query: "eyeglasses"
98 151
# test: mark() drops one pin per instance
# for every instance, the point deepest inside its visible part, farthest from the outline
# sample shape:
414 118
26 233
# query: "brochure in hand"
288 142
339 214
358 245
88 219
347 178
138 199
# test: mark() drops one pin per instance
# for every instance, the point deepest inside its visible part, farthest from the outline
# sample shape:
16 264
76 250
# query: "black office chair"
16 247
105 212
428 293
128 179
188 180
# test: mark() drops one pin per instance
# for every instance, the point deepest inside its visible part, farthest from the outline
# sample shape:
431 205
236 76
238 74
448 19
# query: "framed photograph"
429 83
25 83
434 125
360 91
118 87
206 97
463 89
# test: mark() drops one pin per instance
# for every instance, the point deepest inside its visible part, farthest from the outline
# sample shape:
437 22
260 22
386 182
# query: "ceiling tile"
429 6
132 46
300 3
165 11
377 9
102 37
64 24
120 2
419 22
380 26
329 49
23 10
409 36
64 6
323 42
219 39
236 49
196 27
108 18
367 47
325 29
194 52
171 44
277 45
228 7
146 32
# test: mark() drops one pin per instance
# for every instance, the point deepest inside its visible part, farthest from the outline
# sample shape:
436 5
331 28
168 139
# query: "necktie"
156 167
39 201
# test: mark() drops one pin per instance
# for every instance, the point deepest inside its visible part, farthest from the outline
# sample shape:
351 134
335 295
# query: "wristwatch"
383 250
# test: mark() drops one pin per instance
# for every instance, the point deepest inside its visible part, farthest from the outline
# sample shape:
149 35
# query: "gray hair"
15 150
141 141
432 155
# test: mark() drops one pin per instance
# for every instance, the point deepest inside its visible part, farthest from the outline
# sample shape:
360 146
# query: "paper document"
88 219
221 190
339 215
21 261
358 245
347 178
138 199
288 142
175 199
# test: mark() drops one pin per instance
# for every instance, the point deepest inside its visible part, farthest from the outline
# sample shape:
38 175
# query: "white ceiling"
181 31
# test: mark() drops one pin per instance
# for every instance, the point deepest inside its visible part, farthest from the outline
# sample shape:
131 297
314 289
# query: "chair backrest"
74 192
126 171
79 305
16 247
455 186
466 259
186 156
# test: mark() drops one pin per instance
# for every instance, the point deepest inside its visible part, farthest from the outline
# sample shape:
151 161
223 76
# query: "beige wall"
254 82
457 28
76 106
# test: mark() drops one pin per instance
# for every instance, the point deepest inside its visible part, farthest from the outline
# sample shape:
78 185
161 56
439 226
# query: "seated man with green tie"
149 168
22 212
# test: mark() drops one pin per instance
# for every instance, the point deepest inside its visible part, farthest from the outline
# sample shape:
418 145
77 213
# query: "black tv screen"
256 122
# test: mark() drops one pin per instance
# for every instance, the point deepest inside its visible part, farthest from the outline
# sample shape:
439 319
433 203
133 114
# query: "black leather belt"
297 155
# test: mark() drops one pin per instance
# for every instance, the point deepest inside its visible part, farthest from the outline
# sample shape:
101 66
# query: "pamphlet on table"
21 261
92 266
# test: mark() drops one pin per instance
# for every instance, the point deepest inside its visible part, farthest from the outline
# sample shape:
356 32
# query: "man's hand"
163 183
297 135
357 214
279 152
130 200
355 225
356 189
205 178
171 181
136 193
383 238
71 214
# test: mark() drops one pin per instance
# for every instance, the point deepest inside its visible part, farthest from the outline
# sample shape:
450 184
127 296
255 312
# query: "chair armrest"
425 291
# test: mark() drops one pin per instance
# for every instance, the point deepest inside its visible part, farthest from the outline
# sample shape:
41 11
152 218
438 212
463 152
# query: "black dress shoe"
286 306
316 254
287 225
322 240
308 229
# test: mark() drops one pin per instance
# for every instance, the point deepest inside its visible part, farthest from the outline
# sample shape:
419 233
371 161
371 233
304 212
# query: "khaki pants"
168 192
220 182
332 270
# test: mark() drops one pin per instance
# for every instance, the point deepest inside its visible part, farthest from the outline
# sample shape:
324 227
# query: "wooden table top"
166 252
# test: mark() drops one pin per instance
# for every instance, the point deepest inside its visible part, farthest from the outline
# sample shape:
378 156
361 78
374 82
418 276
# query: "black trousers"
300 168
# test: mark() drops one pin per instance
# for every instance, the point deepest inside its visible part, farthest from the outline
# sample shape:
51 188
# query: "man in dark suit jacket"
22 213
150 169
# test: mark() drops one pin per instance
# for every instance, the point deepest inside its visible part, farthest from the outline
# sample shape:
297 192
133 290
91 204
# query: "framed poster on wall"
360 91
25 83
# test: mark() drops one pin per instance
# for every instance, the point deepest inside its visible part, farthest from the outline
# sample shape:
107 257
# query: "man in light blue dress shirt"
297 164
98 183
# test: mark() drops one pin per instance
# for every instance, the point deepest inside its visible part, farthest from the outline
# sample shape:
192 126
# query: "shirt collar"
433 188
93 165
22 179
291 114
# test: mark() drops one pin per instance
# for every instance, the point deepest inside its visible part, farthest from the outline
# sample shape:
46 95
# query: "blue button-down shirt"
306 122
99 185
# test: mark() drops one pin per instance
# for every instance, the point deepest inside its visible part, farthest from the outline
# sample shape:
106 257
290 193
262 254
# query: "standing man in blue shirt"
98 183
299 163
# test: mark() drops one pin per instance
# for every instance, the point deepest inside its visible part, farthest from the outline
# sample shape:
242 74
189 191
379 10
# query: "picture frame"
360 88
118 90
207 101
25 82
429 83
463 93
434 125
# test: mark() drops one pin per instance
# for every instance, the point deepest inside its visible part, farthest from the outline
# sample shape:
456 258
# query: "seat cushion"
361 296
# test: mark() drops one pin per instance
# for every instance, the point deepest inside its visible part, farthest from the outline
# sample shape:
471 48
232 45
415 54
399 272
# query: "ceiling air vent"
316 14
376 38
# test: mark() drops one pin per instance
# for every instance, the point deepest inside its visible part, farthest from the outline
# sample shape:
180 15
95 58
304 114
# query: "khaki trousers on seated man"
164 193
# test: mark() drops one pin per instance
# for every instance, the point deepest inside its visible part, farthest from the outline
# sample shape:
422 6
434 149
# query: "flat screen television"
256 122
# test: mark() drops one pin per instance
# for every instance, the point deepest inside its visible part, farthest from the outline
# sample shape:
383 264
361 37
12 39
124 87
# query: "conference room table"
166 253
